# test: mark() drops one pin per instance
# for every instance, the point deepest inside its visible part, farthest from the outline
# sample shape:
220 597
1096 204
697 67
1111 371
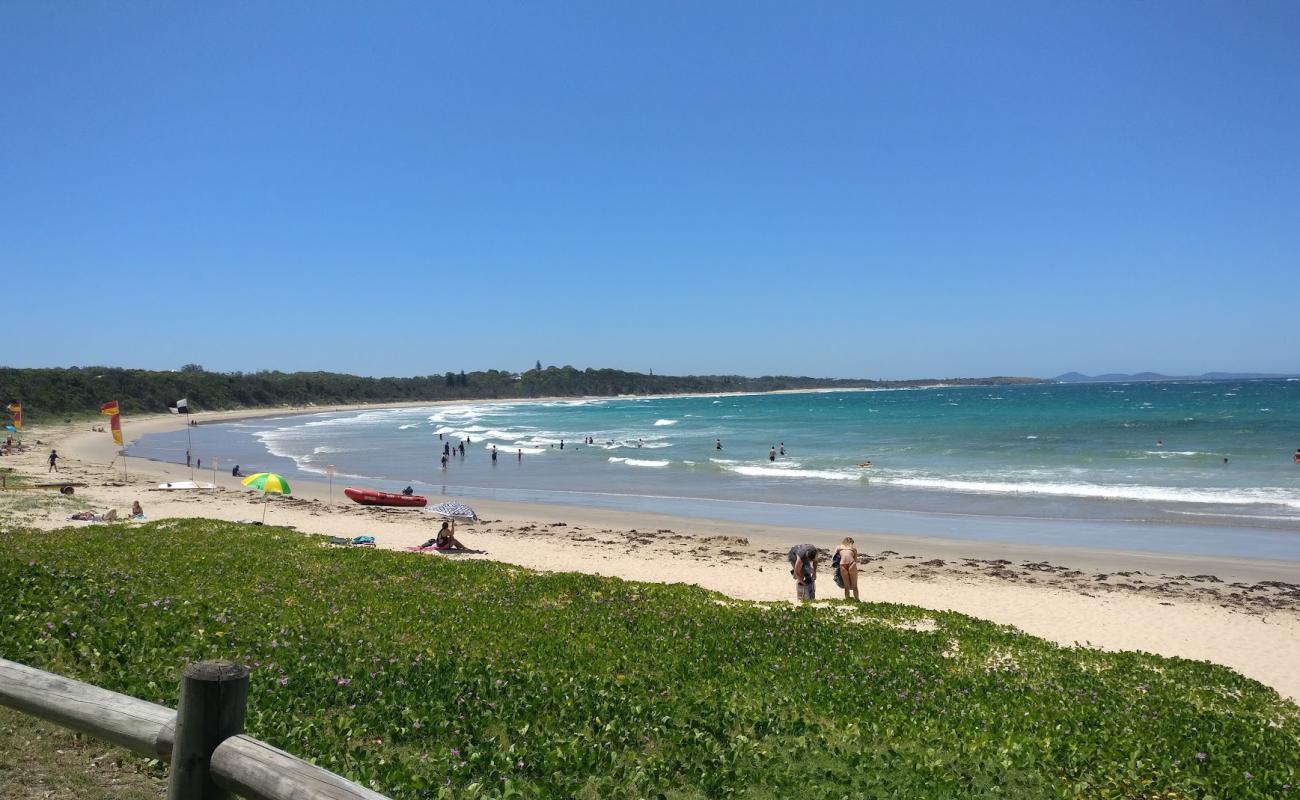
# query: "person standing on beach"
848 553
494 454
521 455
54 461
187 458
462 449
444 460
803 566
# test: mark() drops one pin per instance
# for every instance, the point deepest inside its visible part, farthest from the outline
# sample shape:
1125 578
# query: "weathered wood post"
214 695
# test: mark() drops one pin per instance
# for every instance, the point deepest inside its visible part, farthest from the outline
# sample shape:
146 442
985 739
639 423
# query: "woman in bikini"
848 554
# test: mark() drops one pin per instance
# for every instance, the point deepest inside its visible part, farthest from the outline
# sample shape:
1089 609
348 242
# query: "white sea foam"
823 474
637 462
659 423
1031 437
406 427
724 461
1165 494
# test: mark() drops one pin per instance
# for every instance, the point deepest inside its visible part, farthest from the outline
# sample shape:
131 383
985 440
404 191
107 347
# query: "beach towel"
835 570
363 541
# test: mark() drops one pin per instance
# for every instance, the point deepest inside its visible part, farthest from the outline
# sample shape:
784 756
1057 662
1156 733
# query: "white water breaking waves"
1285 498
637 462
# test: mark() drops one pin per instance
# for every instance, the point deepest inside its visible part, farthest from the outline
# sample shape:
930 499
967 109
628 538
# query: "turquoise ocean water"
1009 462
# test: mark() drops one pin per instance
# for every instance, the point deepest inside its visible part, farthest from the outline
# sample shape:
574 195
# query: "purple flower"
455 752
284 680
519 764
343 681
1201 756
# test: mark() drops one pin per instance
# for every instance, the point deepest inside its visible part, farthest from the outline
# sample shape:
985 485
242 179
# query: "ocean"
1179 465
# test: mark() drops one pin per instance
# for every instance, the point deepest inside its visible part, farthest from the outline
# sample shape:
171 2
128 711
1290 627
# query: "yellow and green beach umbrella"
269 483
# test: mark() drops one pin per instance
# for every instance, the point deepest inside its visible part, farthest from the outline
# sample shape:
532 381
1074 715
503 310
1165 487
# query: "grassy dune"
421 677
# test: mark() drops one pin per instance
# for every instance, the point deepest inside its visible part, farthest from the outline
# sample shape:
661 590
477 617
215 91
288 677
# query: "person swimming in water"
771 454
717 444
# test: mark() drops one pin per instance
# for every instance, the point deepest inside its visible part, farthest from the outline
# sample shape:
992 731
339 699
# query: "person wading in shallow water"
803 566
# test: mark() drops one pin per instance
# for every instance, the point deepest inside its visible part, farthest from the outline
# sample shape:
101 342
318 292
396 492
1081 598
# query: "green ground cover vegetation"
422 676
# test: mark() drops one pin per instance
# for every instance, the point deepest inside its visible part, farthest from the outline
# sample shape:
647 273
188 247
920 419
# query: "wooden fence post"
214 695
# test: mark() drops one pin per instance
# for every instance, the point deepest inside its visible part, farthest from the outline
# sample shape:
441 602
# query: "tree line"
47 393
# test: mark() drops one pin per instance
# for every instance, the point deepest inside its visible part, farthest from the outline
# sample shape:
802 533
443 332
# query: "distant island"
1139 377
61 392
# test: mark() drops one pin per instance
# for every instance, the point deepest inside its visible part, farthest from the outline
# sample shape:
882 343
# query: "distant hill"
1139 377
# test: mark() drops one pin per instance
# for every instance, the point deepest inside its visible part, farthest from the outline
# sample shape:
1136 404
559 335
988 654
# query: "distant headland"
66 391
1140 377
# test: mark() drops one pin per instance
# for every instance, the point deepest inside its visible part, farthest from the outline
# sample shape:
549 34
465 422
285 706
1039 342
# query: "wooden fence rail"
214 757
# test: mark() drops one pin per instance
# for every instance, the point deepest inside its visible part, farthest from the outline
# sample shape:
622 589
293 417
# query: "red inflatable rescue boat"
370 497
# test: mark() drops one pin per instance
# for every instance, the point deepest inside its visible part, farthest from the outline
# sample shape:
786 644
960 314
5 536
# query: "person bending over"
803 566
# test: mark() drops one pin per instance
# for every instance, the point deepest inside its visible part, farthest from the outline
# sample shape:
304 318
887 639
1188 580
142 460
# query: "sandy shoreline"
1242 613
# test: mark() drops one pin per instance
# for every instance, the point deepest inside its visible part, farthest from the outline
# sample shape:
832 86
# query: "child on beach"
848 553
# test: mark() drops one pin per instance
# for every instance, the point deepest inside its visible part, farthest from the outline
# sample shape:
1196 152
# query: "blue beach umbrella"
454 511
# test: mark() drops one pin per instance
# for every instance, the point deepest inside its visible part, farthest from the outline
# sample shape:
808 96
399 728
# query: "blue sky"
841 189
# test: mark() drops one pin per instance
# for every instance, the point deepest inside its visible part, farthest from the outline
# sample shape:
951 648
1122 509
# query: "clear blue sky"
841 189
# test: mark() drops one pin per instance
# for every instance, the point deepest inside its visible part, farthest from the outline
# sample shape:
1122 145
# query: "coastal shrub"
422 676
51 393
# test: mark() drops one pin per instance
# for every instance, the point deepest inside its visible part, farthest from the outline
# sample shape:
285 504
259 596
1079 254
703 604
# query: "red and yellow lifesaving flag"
16 409
110 408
